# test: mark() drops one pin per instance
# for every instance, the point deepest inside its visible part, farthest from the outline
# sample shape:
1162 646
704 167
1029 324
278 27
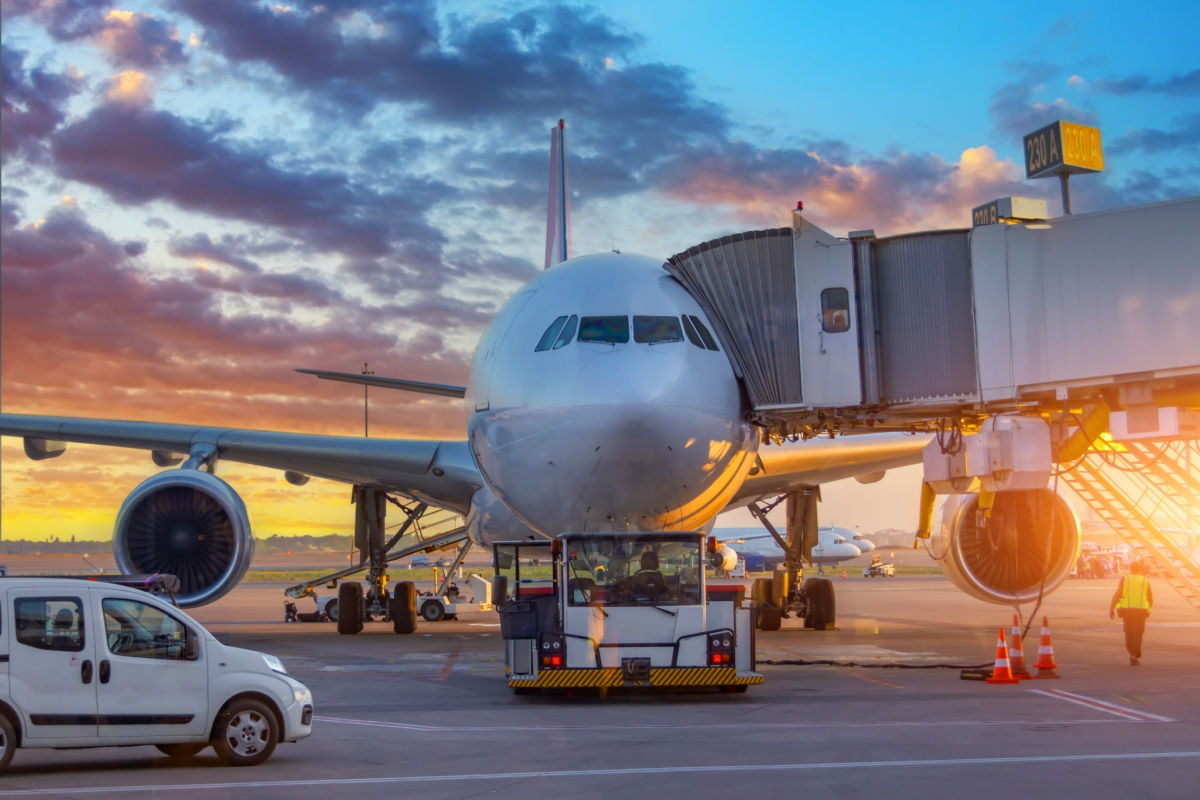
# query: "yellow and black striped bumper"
613 676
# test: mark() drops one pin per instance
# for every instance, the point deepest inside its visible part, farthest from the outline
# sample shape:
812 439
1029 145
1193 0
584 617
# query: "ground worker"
1133 601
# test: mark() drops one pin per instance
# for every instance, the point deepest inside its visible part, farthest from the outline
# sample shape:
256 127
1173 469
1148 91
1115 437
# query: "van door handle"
86 672
105 671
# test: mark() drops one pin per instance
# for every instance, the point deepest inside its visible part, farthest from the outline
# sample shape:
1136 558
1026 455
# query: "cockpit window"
550 335
705 336
656 330
690 330
611 330
568 333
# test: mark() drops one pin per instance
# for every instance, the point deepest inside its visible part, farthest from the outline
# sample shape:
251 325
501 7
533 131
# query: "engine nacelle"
1004 558
186 523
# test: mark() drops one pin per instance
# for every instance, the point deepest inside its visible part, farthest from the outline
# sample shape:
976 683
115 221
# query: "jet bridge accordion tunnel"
898 333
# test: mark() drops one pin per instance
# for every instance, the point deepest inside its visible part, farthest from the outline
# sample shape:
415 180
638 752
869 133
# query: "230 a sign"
1063 147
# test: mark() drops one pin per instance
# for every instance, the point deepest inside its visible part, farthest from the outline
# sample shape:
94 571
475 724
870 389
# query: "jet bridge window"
656 330
610 330
835 310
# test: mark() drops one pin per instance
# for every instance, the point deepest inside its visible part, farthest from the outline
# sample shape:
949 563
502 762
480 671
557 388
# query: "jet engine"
186 523
1030 539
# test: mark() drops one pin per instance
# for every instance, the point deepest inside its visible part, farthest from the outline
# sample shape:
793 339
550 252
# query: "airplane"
831 549
598 399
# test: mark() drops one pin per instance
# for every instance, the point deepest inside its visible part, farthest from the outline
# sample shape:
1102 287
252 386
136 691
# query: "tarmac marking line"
709 726
449 665
869 679
985 761
1102 705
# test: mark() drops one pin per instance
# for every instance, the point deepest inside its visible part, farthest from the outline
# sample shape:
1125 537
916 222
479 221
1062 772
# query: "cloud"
31 104
139 40
130 88
126 344
229 250
129 39
1184 84
1183 135
140 154
1016 112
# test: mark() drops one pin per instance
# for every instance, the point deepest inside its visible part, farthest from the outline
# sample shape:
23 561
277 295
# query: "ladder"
1147 494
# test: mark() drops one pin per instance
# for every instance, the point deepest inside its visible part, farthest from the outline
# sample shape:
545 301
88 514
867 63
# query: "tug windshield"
631 570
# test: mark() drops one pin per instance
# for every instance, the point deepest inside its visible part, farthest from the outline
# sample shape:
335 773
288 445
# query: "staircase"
1149 494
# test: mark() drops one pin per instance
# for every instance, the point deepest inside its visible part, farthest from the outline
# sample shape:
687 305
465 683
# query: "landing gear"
349 608
404 608
785 593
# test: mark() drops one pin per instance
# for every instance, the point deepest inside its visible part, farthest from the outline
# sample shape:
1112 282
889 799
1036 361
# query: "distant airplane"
598 399
832 548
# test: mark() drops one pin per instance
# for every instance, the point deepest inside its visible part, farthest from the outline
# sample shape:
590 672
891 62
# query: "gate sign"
1063 147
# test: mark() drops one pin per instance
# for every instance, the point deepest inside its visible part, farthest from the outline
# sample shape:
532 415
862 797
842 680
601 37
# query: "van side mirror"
191 647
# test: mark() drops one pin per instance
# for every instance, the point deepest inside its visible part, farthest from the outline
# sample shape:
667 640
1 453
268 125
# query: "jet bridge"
862 333
1040 347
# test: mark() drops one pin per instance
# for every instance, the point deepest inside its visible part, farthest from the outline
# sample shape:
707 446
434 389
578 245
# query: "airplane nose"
864 545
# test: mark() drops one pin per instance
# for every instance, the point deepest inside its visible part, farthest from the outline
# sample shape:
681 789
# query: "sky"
198 197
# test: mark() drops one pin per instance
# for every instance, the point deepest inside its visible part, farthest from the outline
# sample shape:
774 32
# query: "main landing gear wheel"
770 616
432 611
349 610
403 608
822 607
246 733
185 750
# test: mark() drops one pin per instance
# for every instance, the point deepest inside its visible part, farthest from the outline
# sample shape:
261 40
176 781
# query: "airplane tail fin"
558 211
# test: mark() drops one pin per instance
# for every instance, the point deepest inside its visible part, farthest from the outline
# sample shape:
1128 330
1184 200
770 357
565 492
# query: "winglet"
558 210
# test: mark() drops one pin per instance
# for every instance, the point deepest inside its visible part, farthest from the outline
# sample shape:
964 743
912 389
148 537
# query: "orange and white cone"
1016 655
1045 665
1001 671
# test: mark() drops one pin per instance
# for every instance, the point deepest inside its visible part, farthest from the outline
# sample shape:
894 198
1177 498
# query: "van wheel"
186 750
246 733
349 610
8 741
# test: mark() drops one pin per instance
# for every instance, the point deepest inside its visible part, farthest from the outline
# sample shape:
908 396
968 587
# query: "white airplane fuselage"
606 435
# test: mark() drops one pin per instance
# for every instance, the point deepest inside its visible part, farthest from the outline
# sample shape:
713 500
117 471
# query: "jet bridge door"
828 317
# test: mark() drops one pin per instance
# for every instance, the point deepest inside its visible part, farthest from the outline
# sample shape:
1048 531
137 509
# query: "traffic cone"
1016 655
1045 665
843 574
1002 672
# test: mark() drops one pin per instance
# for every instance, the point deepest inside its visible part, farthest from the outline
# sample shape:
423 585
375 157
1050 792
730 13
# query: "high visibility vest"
1136 593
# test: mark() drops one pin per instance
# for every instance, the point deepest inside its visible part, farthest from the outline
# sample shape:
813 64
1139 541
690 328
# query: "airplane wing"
443 389
793 465
438 472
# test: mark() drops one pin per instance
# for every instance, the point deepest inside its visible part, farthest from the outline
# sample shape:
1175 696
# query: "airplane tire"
349 610
404 607
822 608
770 618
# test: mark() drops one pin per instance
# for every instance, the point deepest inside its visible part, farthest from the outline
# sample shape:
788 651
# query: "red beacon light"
799 205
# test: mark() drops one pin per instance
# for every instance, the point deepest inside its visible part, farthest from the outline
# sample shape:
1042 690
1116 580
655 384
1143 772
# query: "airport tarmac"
431 713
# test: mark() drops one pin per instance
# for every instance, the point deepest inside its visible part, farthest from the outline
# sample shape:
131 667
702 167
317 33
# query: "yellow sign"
1063 147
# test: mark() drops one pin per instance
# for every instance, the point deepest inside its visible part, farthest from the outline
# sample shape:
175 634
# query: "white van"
92 664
